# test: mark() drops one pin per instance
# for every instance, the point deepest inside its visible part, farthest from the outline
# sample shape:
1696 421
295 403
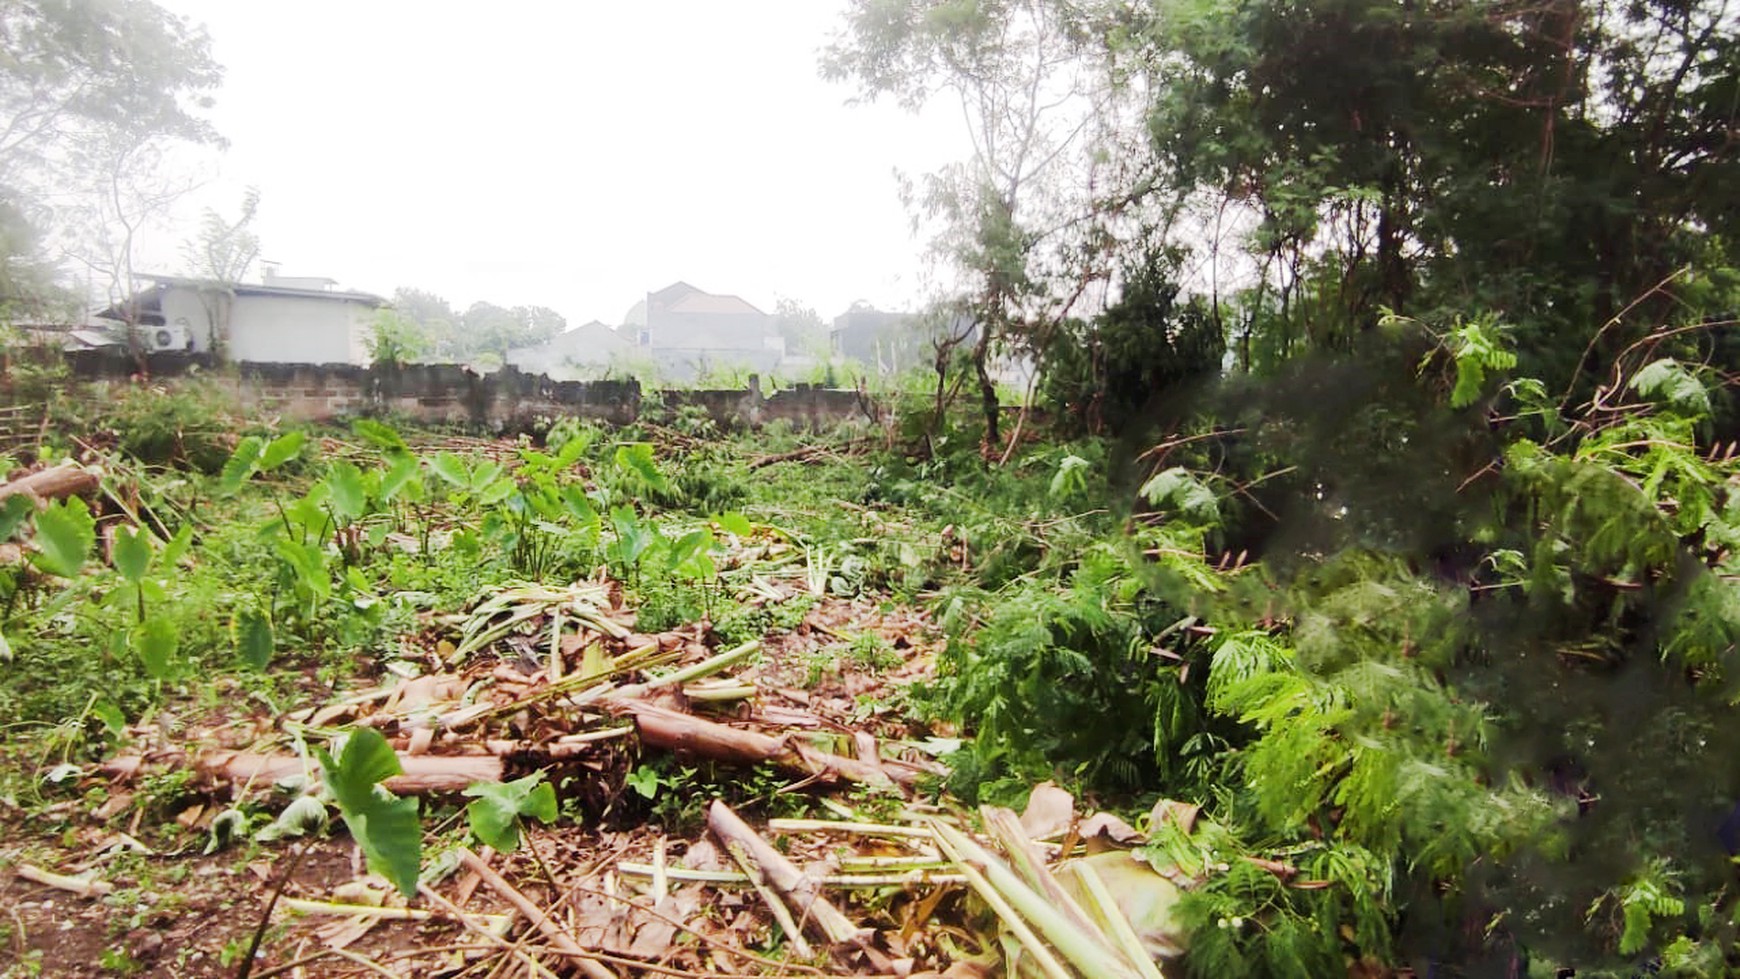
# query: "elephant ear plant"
385 826
498 808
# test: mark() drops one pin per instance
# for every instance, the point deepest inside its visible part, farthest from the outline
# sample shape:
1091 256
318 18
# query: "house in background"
688 332
283 320
583 353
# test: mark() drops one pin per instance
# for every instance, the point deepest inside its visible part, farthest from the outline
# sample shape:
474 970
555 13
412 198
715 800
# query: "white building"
285 320
687 331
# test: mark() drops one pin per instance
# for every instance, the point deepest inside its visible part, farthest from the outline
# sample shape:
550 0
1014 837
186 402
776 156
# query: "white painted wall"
299 330
182 307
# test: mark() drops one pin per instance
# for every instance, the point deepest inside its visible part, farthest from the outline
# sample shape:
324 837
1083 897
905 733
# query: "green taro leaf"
364 759
531 460
493 492
691 555
350 498
177 547
579 506
281 450
132 553
396 478
308 564
13 514
633 536
309 510
384 825
496 813
379 435
254 639
637 458
114 721
486 473
571 452
155 641
645 781
451 468
241 465
734 523
65 534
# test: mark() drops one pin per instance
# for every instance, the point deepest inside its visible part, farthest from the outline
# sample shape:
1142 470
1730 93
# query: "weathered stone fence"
453 394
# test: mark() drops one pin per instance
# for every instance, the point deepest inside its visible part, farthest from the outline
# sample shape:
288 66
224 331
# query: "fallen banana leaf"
1003 888
706 667
1142 897
939 874
1117 926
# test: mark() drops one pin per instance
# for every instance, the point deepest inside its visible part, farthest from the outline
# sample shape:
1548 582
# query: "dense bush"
187 425
1144 356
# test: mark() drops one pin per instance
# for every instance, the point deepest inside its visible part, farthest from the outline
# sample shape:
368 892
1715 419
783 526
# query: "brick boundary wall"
453 394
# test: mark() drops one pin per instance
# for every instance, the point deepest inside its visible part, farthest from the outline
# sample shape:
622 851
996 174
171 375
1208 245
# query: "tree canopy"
90 91
1314 166
484 327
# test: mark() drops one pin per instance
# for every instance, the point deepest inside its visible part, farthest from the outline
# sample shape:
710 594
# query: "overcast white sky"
571 154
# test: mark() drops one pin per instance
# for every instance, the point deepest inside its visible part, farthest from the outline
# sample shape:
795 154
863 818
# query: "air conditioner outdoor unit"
172 336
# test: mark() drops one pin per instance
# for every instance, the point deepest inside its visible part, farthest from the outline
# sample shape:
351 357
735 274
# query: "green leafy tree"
221 256
434 317
396 339
1141 355
1024 73
802 329
91 93
488 328
1555 164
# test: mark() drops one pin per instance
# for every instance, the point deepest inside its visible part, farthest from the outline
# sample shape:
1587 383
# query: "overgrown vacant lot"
668 701
559 657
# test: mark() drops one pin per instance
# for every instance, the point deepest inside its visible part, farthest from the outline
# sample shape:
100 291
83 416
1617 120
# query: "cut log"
799 891
805 454
84 885
672 730
57 483
422 773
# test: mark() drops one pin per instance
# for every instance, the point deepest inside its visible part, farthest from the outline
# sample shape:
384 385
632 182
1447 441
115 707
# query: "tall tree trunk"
936 416
987 389
1394 282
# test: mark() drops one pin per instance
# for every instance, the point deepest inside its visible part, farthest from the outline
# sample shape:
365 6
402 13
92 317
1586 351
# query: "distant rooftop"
706 302
297 286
